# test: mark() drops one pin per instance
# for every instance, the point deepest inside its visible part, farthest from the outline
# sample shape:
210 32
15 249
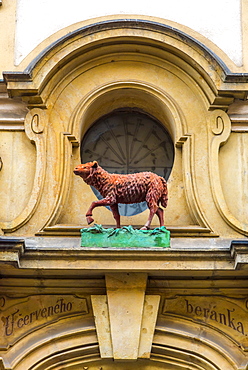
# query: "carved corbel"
125 318
220 129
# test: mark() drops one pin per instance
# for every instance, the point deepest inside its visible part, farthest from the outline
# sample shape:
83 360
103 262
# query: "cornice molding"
135 24
25 79
101 260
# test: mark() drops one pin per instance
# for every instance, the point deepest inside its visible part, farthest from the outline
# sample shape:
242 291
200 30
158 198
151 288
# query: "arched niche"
102 67
135 94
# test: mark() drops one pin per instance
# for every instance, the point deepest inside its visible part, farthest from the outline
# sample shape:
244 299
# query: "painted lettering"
37 314
56 308
9 323
240 328
31 316
50 311
189 306
2 302
62 305
206 312
213 316
20 322
26 319
12 321
224 318
198 311
43 312
230 320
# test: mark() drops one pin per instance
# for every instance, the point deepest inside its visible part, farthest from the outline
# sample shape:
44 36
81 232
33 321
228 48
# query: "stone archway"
52 349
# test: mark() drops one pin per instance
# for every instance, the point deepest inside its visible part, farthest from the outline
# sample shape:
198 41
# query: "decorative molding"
72 139
66 340
176 231
220 127
238 114
30 84
22 315
59 256
239 251
102 322
43 83
223 102
125 317
239 123
12 250
225 315
12 124
146 25
66 142
38 138
145 333
186 142
37 126
12 112
210 350
125 330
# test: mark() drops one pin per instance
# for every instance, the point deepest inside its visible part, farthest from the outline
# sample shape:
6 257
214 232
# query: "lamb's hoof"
89 220
145 228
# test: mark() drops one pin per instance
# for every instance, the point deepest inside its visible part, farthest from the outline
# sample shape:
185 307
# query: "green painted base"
126 237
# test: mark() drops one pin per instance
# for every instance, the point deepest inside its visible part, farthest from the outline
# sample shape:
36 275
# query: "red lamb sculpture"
127 189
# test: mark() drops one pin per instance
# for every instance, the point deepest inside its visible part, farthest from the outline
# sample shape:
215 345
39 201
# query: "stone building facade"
136 87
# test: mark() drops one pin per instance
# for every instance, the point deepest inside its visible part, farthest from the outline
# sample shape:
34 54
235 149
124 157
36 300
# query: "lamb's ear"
95 164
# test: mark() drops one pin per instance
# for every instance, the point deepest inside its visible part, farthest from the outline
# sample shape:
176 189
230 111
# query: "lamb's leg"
116 214
148 223
152 203
98 203
153 210
160 214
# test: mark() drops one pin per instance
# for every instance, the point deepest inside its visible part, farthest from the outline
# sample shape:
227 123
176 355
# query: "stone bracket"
125 318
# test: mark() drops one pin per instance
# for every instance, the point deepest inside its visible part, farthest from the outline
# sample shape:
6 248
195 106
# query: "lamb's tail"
164 196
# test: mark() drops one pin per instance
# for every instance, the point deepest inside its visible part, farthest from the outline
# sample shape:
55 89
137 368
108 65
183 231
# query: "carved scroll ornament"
220 127
35 123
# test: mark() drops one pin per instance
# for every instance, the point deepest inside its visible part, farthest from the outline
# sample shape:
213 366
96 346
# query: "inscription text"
17 320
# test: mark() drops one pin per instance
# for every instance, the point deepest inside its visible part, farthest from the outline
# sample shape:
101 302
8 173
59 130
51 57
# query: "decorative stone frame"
96 290
122 47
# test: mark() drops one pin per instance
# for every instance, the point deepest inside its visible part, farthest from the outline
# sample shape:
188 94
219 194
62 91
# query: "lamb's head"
85 170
